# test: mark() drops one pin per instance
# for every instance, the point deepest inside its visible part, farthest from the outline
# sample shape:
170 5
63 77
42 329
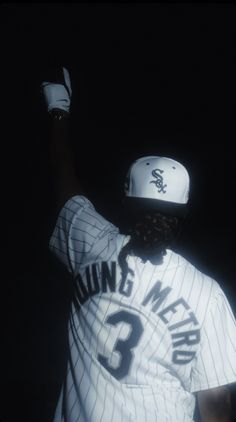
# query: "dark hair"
150 235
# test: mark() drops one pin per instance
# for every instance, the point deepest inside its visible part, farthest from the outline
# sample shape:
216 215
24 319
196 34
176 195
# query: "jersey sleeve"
215 363
79 226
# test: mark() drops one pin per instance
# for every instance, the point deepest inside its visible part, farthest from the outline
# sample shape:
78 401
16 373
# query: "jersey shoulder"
204 281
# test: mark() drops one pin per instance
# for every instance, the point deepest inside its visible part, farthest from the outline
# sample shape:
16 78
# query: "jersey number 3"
124 347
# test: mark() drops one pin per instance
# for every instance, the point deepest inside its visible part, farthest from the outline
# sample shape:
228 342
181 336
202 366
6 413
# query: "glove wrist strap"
58 114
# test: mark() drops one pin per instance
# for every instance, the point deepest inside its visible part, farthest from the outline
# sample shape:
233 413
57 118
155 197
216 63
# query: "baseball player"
149 334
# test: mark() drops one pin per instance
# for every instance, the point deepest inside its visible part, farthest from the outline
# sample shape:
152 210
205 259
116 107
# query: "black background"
148 78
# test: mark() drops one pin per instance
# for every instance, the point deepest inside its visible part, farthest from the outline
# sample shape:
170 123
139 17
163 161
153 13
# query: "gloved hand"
58 95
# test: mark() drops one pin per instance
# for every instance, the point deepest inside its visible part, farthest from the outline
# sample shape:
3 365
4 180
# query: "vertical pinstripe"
159 381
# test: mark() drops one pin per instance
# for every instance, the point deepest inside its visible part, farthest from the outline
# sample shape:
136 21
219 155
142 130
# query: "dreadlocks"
150 235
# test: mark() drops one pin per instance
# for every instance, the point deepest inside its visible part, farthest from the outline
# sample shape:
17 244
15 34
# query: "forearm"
215 405
57 96
64 174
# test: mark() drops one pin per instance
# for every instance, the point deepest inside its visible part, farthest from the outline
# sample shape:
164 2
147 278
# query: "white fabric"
58 95
138 350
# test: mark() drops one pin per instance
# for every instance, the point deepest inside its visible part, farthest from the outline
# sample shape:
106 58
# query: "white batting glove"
58 95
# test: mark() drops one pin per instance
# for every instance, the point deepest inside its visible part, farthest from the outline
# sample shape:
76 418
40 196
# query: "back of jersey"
133 342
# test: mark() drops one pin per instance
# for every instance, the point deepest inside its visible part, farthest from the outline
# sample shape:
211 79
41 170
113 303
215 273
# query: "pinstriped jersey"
140 347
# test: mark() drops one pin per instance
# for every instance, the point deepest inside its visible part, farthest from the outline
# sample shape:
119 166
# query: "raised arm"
214 405
58 100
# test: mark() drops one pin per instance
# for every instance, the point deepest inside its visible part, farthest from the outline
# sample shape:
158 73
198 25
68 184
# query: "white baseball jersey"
138 348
